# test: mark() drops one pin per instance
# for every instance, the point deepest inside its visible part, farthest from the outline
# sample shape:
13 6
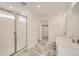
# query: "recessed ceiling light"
38 6
10 7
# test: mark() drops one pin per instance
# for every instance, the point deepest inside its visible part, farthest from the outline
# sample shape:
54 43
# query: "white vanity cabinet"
65 47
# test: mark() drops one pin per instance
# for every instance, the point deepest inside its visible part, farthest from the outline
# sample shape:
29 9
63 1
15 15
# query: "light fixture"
38 6
10 7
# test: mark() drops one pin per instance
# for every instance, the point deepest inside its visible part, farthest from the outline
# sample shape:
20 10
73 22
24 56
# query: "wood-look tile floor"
43 48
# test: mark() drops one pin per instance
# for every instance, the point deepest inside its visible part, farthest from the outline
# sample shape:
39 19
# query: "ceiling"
46 8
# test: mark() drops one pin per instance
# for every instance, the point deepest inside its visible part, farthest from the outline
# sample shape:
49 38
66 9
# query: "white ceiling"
46 8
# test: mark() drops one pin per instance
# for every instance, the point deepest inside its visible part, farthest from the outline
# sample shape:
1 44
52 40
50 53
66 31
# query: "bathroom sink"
66 42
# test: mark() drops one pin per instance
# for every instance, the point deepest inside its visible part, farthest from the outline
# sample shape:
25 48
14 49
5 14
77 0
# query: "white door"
21 32
6 33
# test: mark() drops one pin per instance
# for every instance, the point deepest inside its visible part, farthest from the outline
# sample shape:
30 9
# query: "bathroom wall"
51 29
21 31
56 26
33 27
72 23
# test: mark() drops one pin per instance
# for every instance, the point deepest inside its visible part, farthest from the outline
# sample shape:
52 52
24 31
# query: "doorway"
45 32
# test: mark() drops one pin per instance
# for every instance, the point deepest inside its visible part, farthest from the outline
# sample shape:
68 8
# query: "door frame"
42 30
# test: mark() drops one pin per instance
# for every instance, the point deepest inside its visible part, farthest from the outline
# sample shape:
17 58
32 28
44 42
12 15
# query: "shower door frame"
15 29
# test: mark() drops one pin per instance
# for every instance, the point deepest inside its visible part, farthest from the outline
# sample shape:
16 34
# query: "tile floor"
43 48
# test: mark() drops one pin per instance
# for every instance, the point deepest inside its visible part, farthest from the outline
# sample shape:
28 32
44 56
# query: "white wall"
33 27
72 24
40 36
21 31
51 29
56 26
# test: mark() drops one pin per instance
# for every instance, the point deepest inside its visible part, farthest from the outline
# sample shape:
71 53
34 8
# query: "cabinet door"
6 33
21 32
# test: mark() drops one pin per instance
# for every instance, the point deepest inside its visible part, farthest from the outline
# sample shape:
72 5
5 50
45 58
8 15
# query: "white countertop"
66 42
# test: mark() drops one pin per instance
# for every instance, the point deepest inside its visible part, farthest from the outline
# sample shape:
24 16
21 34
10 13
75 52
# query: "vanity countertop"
66 42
